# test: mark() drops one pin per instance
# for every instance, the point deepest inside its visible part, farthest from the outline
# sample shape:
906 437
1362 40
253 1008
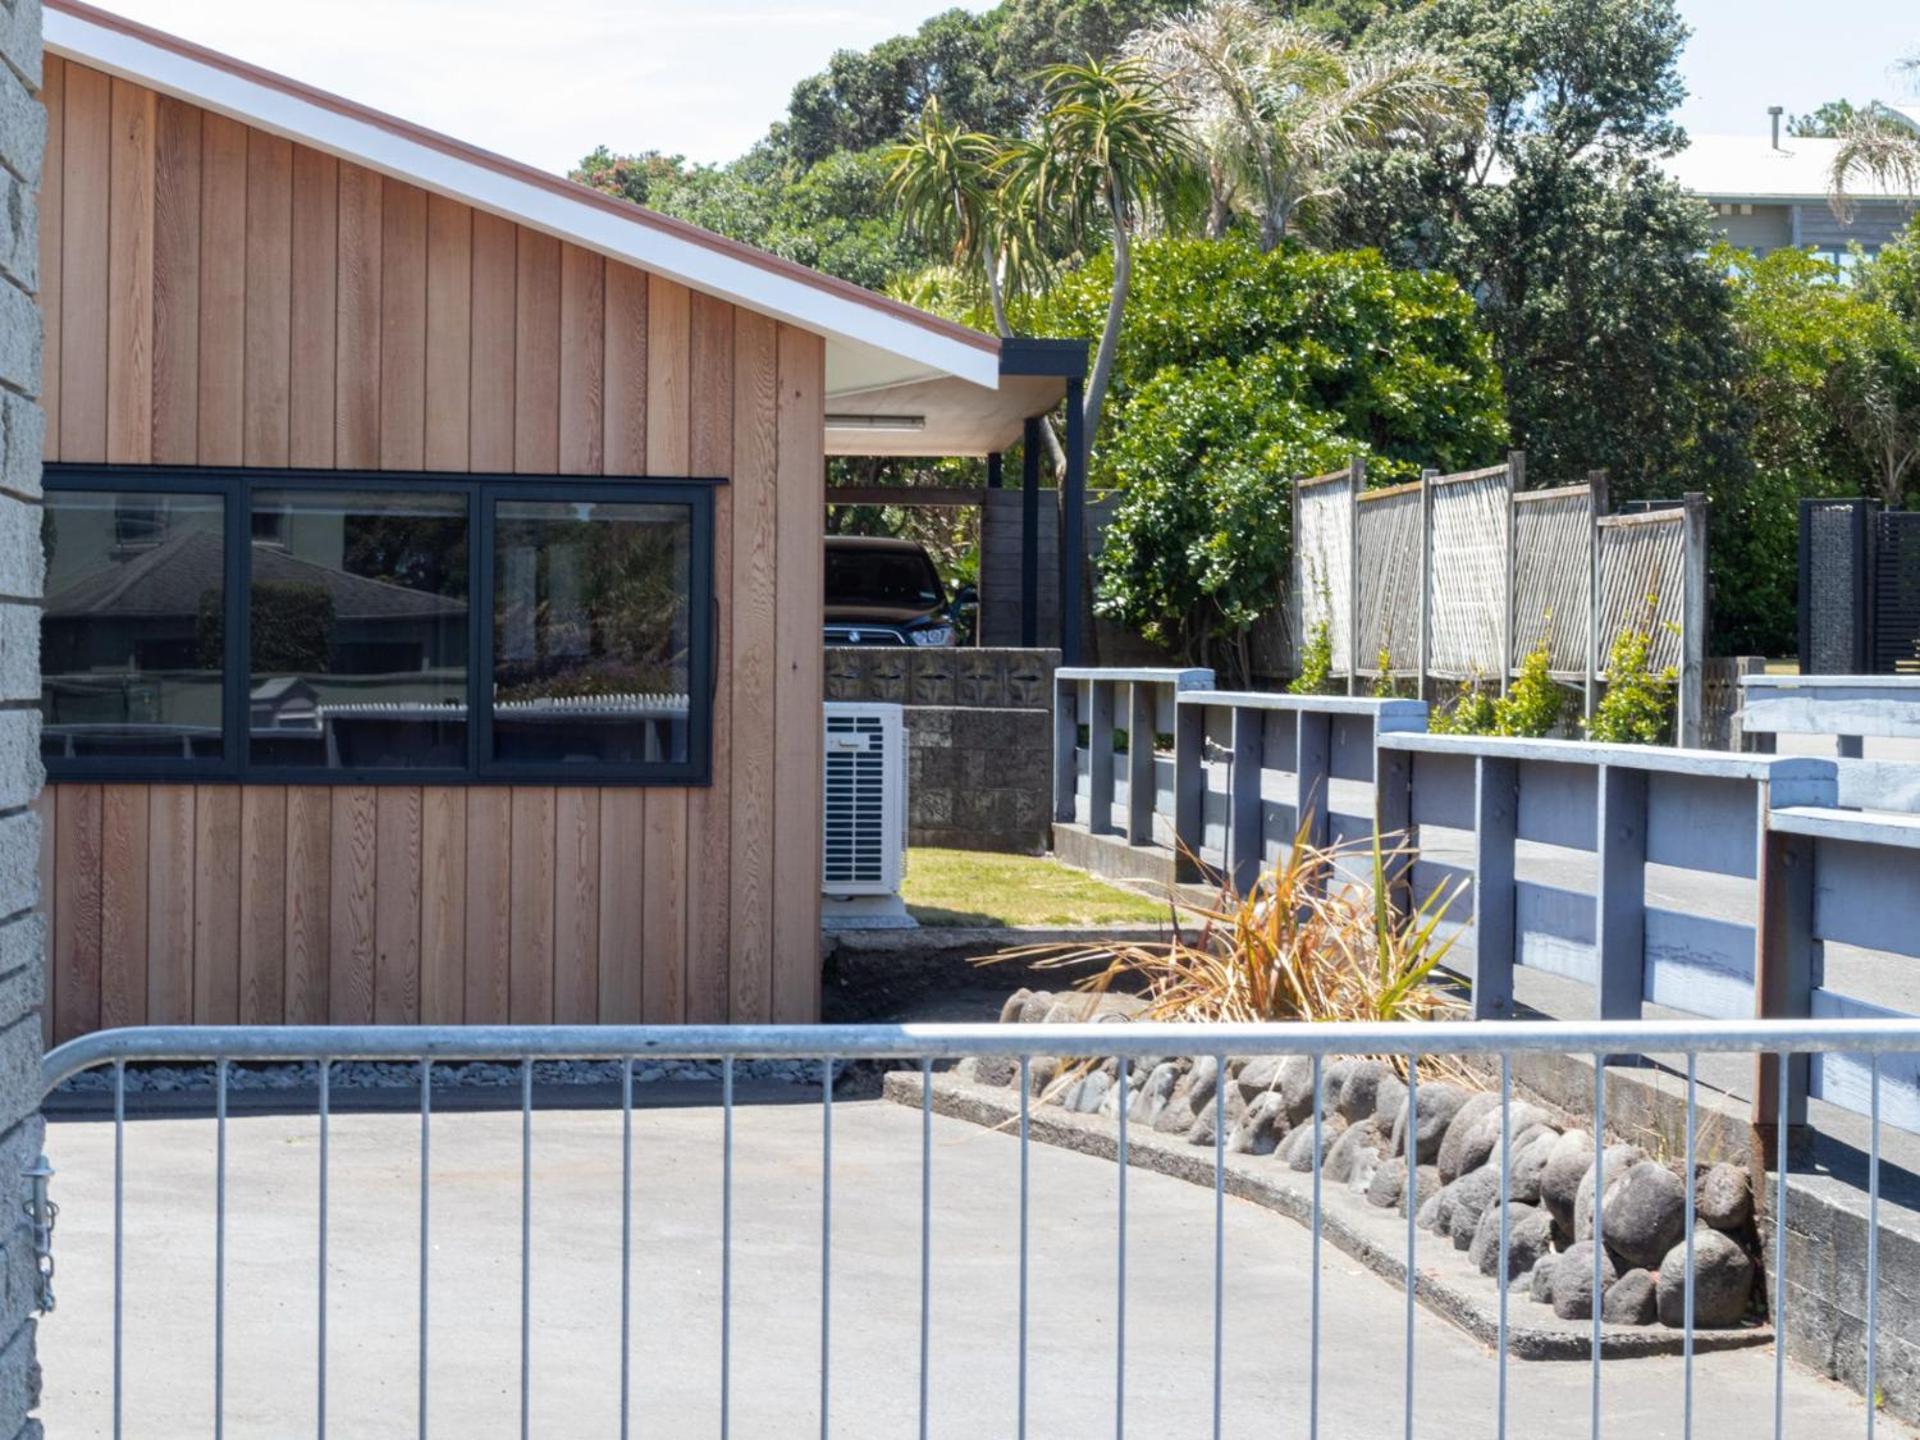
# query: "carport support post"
1030 533
1073 505
993 470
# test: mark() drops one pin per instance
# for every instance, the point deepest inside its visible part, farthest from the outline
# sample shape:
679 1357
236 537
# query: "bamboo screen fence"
1457 578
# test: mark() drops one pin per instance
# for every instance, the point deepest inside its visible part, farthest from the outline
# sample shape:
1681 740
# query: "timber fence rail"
1701 882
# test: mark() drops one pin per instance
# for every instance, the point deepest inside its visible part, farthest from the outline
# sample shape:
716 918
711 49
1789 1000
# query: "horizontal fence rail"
1865 1042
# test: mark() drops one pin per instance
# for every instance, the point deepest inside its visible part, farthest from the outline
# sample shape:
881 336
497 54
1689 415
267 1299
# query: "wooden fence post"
1356 482
1620 904
1296 580
1596 507
1100 756
1142 736
1066 725
1496 814
1693 619
1423 653
1393 816
1516 479
1786 960
1311 766
1243 798
1189 786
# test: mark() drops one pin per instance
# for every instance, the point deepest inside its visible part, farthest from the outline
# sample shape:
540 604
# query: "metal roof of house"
874 343
1749 167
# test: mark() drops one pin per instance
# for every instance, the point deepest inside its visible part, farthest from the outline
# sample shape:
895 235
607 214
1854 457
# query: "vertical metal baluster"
1780 1257
1686 1325
320 1361
1873 1256
626 1247
426 1173
726 1248
1313 1327
1413 1140
526 1247
1599 1251
926 1228
1026 1082
119 1251
1506 1233
220 1253
826 1235
1120 1304
1219 1229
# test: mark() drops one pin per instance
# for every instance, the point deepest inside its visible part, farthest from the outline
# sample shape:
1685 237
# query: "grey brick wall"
22 951
979 779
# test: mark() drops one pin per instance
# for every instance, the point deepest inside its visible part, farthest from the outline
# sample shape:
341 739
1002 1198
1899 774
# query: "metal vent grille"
858 832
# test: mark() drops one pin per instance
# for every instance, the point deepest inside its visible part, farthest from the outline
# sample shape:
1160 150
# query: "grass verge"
969 887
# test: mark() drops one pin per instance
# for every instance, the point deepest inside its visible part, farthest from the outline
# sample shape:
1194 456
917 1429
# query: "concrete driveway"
474 1329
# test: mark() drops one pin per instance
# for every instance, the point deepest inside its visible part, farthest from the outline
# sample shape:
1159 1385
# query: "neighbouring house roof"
874 344
1749 168
171 579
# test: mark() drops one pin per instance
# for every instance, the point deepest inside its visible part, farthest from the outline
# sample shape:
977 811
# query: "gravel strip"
405 1075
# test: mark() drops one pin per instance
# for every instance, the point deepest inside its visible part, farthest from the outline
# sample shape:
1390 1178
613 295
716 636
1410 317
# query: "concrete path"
474 1330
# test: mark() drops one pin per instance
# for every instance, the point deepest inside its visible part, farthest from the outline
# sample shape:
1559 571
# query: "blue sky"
548 82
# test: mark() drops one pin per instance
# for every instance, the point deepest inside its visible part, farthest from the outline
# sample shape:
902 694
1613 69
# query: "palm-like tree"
1877 146
1275 107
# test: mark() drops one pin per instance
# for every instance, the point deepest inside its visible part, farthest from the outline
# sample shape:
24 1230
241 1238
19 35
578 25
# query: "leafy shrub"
1316 662
1472 712
1638 706
1385 687
1534 705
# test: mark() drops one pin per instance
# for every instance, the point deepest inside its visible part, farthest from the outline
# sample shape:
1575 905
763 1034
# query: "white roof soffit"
871 340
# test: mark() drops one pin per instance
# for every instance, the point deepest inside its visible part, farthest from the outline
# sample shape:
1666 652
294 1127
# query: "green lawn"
966 887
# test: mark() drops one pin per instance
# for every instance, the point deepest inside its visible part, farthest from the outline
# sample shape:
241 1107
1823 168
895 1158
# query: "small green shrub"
1638 706
1533 705
1316 662
1385 687
1473 712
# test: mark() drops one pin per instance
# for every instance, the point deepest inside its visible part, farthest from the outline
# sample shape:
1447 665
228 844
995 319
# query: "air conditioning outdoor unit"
864 857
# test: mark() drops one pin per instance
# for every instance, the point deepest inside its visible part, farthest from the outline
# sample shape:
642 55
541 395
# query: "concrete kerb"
1446 1283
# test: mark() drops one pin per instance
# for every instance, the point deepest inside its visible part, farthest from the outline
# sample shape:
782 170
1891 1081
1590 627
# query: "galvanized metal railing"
923 1045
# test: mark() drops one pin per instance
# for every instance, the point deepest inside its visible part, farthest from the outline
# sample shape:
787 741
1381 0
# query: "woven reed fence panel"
1389 536
1643 582
1469 577
1321 551
1552 540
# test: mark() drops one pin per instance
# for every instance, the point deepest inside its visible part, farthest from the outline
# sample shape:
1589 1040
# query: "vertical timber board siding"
709 809
443 902
49 206
799 496
751 677
263 904
76 935
396 909
223 290
86 145
269 300
356 359
666 880
130 249
576 915
47 807
171 837
536 365
488 997
449 381
403 327
530 888
176 283
309 890
221 296
216 905
350 922
315 307
124 811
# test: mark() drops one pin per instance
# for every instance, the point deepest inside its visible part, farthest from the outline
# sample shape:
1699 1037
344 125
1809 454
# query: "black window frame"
236 487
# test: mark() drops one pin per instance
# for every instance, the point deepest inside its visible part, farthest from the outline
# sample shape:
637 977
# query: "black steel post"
1030 534
1073 505
993 470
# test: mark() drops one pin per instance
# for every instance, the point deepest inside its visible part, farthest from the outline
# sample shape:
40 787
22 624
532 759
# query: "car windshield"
862 576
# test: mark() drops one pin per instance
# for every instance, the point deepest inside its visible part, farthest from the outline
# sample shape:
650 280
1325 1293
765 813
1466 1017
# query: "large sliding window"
306 627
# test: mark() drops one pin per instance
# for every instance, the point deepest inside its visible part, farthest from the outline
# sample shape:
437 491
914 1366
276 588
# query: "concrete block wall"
978 779
22 936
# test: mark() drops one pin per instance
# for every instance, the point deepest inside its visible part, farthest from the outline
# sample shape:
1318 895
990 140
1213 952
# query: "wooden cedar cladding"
219 296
